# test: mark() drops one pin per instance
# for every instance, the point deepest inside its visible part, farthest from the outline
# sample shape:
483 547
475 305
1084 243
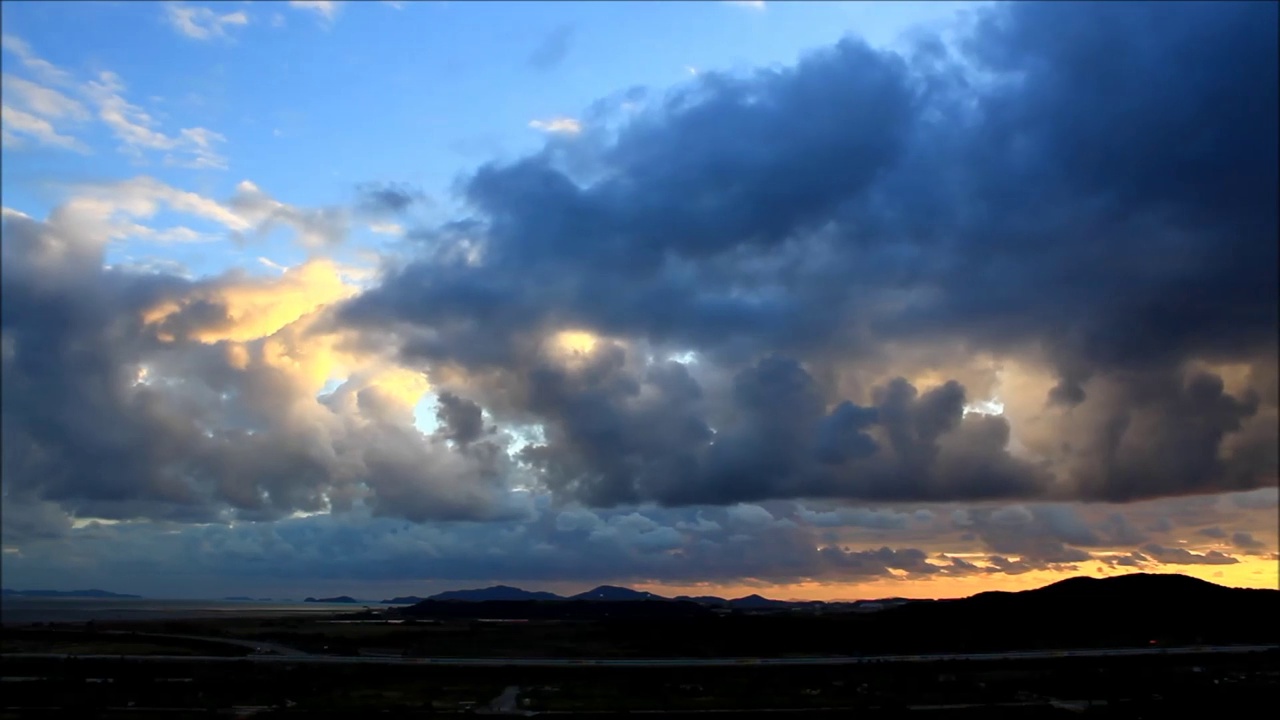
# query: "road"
504 704
258 645
667 662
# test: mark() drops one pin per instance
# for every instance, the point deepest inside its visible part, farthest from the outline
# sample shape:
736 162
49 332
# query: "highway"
665 662
256 645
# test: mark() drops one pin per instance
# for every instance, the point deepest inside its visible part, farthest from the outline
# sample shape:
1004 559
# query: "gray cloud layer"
774 542
112 415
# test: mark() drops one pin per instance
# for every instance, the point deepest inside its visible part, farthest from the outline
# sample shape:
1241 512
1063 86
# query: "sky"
815 300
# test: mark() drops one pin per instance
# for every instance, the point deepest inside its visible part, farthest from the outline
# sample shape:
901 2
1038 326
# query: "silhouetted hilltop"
1085 586
497 592
757 602
556 609
1127 611
711 600
100 594
402 600
1137 590
612 593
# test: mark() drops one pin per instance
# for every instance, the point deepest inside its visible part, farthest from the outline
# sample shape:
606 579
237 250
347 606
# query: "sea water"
23 610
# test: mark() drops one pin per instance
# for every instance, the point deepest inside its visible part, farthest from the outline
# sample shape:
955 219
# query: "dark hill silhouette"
640 610
1136 589
613 593
710 600
497 592
757 602
1126 611
95 594
1085 586
402 600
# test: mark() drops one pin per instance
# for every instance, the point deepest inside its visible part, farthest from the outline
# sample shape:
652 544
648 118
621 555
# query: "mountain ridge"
1075 586
93 593
1133 611
494 592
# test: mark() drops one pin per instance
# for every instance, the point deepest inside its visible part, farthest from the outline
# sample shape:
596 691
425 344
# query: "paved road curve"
257 645
667 662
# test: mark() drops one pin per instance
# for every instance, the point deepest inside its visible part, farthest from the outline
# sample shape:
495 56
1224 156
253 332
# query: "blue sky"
307 100
821 299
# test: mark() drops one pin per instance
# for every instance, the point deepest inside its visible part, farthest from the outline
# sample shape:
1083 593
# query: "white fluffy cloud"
56 96
202 23
557 125
326 9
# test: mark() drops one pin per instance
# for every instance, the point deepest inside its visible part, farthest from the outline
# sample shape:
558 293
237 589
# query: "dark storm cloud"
1085 187
1133 559
880 519
1118 530
781 543
70 435
460 417
618 435
1182 556
104 414
569 545
22 520
383 199
1046 188
1093 183
1040 534
1160 432
1246 541
668 245
552 49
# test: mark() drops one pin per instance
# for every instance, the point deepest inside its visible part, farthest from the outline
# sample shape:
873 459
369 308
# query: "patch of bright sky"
422 94
426 421
985 407
424 414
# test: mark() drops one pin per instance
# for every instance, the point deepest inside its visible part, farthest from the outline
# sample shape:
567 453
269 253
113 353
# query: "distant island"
497 592
1128 611
498 600
616 594
95 594
1135 610
613 593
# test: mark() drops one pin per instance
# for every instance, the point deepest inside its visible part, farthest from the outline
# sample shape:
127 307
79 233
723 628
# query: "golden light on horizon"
1250 572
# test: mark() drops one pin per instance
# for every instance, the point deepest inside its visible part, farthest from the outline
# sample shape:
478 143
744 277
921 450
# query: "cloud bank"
817 237
806 285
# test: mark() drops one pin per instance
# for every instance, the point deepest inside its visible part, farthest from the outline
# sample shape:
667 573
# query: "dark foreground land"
1138 647
1131 687
1137 611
